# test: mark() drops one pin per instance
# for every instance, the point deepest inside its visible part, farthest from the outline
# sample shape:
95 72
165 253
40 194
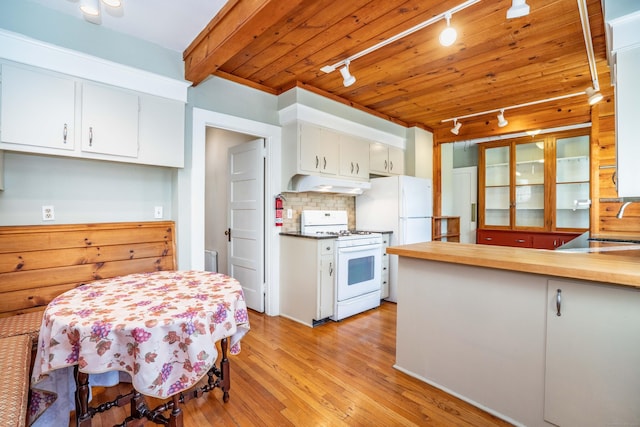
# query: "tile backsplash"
316 201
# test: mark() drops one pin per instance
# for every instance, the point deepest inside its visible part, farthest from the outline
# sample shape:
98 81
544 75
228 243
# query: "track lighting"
456 127
448 35
447 38
593 95
501 120
518 8
349 79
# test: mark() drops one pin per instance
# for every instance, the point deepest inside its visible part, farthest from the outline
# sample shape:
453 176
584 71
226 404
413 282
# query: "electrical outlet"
47 213
289 213
157 212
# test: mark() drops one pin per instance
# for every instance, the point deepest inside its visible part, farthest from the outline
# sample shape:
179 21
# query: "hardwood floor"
339 373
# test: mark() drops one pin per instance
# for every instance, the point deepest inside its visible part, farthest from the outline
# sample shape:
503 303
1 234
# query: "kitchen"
207 96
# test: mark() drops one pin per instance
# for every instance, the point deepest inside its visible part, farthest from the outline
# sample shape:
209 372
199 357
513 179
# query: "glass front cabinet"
534 191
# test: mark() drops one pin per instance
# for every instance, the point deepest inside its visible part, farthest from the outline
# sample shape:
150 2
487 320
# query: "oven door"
359 271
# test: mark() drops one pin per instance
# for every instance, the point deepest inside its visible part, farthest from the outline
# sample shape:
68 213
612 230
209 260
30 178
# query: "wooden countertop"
603 267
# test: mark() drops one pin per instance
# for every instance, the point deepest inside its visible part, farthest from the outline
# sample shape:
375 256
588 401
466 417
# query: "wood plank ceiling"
496 62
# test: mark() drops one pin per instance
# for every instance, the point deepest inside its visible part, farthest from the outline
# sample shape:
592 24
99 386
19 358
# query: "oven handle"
359 248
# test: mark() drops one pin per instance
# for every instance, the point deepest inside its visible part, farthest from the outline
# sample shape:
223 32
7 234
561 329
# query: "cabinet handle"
390 166
488 238
351 167
613 178
325 163
357 168
386 164
558 302
473 212
330 269
317 162
90 137
520 240
64 134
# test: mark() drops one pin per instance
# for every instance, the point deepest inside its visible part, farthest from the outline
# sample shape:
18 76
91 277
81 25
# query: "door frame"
189 196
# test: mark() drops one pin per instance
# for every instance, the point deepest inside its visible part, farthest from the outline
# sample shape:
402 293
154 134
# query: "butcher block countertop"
619 267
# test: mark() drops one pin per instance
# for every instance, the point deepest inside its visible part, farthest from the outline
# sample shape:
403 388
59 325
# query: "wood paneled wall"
38 263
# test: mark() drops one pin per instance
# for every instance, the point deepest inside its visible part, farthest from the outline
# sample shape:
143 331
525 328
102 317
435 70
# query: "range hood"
300 183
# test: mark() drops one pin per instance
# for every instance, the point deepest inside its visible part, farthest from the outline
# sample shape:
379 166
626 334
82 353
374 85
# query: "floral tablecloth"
160 328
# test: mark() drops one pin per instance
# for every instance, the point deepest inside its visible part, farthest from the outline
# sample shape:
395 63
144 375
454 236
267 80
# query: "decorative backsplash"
316 201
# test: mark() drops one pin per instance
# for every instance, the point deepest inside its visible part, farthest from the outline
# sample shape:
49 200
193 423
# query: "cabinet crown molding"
22 49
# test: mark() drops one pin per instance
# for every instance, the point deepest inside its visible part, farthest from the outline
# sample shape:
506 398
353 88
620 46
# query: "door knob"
227 233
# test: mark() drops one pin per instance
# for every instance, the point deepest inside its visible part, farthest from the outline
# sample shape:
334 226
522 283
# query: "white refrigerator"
402 205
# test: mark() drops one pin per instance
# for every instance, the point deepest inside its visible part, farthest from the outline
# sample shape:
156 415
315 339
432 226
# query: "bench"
38 263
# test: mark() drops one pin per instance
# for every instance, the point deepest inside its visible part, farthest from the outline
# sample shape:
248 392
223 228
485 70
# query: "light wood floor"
339 373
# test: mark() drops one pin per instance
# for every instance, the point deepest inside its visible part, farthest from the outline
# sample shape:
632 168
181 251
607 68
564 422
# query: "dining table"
162 330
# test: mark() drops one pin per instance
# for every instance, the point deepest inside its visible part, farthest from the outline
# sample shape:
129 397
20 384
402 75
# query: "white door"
246 220
465 201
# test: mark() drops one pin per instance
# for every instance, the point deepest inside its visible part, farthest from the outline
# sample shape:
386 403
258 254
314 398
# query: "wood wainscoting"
39 262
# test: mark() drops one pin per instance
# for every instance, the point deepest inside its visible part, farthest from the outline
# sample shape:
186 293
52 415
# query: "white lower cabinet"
592 374
307 278
384 277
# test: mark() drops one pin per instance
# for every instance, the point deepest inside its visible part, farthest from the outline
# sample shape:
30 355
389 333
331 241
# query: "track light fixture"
501 120
593 95
456 127
518 8
349 79
448 35
445 15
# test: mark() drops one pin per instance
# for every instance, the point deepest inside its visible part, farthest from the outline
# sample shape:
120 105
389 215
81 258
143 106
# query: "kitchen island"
535 337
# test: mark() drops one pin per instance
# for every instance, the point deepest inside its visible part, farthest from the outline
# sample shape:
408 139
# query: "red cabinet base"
525 239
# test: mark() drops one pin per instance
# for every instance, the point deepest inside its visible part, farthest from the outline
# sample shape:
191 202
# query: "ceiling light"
112 3
501 120
456 127
593 95
518 8
449 34
90 7
349 79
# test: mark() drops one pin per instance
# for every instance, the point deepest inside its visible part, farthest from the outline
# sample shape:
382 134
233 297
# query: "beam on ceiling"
234 27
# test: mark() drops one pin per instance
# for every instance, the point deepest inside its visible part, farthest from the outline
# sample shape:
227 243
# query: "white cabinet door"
379 158
326 286
354 157
161 131
396 161
319 149
627 116
37 109
385 160
109 121
592 375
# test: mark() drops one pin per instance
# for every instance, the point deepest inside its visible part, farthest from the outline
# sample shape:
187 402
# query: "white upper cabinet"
37 109
386 160
46 113
319 149
109 121
354 157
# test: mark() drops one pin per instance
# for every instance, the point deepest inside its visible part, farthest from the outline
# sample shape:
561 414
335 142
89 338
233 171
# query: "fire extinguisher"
279 208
